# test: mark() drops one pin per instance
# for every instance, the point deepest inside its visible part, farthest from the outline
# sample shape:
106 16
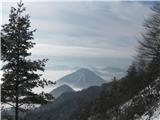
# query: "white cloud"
84 29
72 51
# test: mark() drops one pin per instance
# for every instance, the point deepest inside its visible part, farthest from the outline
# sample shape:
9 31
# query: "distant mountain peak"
82 78
83 70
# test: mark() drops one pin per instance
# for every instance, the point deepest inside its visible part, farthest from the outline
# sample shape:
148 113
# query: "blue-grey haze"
79 34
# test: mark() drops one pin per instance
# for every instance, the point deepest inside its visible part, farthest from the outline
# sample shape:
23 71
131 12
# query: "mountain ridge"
60 90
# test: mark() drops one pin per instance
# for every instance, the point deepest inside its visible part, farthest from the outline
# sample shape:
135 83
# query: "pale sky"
84 34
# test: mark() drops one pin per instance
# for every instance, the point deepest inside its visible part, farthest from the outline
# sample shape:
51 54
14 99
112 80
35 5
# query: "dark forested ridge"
68 104
60 90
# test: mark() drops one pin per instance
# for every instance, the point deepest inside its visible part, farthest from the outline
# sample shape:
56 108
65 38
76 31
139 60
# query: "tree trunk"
17 86
17 101
16 112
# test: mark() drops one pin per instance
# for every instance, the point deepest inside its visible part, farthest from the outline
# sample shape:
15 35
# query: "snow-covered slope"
155 116
82 78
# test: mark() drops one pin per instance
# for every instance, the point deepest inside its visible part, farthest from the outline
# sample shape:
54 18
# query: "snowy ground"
156 115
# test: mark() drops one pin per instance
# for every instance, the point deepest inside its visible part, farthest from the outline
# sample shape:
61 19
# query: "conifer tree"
150 45
19 71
